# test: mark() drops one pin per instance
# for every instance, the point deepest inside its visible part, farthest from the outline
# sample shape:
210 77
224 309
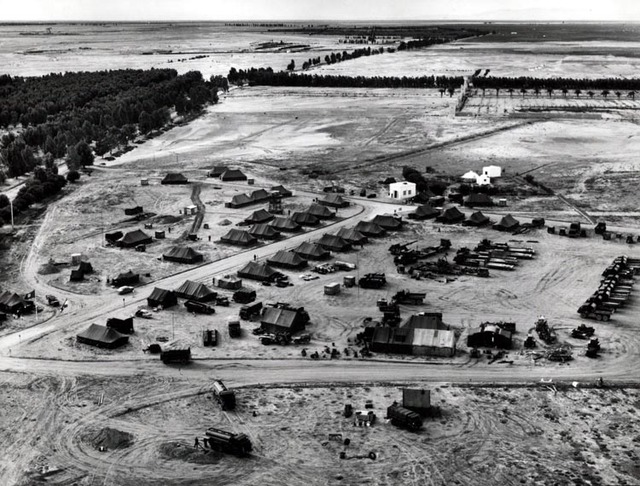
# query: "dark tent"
387 222
507 223
284 224
133 211
334 243
305 219
217 171
174 178
352 236
127 278
477 219
334 201
113 237
76 276
489 336
160 235
311 251
287 259
161 297
320 212
264 231
259 216
257 271
85 267
124 326
451 216
276 319
425 320
260 195
478 200
436 201
239 201
135 238
11 302
423 197
102 337
197 291
282 191
239 237
183 254
426 211
389 180
390 340
370 229
233 175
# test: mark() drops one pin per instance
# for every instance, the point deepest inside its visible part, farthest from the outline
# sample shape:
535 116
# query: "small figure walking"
255 257
209 237
196 444
123 304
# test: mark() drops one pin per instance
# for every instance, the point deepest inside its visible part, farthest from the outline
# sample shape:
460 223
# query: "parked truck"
223 441
210 337
234 329
224 396
249 311
373 281
403 417
199 307
182 356
244 296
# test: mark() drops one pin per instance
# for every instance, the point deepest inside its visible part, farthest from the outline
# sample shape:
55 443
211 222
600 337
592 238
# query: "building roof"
264 230
286 318
287 259
183 254
260 216
257 271
281 223
353 236
195 291
239 237
102 334
387 222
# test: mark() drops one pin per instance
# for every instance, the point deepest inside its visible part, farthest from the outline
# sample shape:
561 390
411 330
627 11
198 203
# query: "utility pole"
11 203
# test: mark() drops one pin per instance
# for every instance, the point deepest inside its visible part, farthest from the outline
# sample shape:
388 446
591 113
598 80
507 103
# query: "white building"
483 180
402 190
470 176
492 171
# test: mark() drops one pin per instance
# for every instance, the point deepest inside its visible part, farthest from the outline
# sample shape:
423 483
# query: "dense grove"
559 84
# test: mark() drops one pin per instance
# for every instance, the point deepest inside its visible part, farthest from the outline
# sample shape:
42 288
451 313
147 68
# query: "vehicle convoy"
223 441
403 417
199 307
226 397
182 356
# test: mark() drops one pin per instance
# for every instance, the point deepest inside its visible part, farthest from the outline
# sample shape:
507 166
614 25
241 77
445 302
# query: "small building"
144 182
197 291
470 177
76 276
483 180
160 235
277 319
401 191
332 289
174 178
190 210
85 267
183 254
76 258
161 297
287 259
502 202
239 237
258 271
492 171
102 337
233 175
312 251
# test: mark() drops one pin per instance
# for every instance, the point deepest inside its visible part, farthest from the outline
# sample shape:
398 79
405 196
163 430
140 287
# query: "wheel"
372 456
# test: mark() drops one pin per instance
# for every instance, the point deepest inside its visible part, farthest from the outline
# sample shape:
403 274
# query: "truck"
199 307
410 298
591 311
234 329
228 442
182 356
373 281
244 296
249 311
225 397
404 418
210 337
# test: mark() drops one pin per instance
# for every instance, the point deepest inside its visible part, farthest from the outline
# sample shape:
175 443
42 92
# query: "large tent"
426 211
183 254
195 291
260 195
477 219
135 238
259 216
282 191
125 326
217 171
334 243
287 259
233 175
239 201
305 219
478 199
334 201
133 211
425 320
239 237
451 216
284 224
276 319
113 237
416 341
102 337
311 251
126 278
507 223
174 178
11 302
257 271
423 197
162 297
264 231
320 211
352 236
85 267
370 229
387 222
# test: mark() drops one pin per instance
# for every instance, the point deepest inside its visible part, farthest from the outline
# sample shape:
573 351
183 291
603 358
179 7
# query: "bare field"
530 435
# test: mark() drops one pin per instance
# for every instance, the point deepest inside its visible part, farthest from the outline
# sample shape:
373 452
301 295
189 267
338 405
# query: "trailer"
247 312
228 442
404 418
181 356
199 307
373 281
410 298
225 397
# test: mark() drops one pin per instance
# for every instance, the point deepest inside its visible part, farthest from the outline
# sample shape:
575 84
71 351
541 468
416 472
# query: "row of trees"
563 85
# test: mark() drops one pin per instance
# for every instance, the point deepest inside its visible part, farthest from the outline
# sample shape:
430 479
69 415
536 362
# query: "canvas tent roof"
183 254
163 297
233 175
425 211
334 243
451 215
259 195
334 200
218 170
174 178
240 200
304 219
477 219
260 216
102 336
284 224
423 196
264 231
311 251
287 259
431 320
85 267
276 318
387 222
353 236
320 211
10 301
282 191
126 278
257 271
478 199
134 238
368 228
239 237
507 223
195 291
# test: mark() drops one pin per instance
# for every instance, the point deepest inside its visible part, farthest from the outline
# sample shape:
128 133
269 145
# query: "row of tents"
257 196
453 215
224 173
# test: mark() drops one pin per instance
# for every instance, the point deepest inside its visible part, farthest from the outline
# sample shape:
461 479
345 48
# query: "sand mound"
48 269
167 219
184 452
112 439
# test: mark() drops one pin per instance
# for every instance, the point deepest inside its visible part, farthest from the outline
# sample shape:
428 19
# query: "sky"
412 10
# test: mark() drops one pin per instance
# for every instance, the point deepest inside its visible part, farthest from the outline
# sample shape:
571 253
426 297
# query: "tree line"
555 84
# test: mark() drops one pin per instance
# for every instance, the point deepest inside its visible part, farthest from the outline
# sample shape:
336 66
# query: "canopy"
264 231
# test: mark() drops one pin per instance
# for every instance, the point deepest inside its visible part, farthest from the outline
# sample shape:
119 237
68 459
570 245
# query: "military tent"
260 195
160 297
282 191
426 211
311 251
239 237
507 223
113 237
489 336
76 276
477 219
127 278
305 219
258 271
183 254
334 243
174 178
423 197
197 291
352 236
387 222
229 282
124 326
11 302
320 212
284 224
477 199
276 319
135 238
425 320
259 216
233 175
370 229
85 267
264 231
133 211
239 201
217 171
287 259
451 216
102 337
334 201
